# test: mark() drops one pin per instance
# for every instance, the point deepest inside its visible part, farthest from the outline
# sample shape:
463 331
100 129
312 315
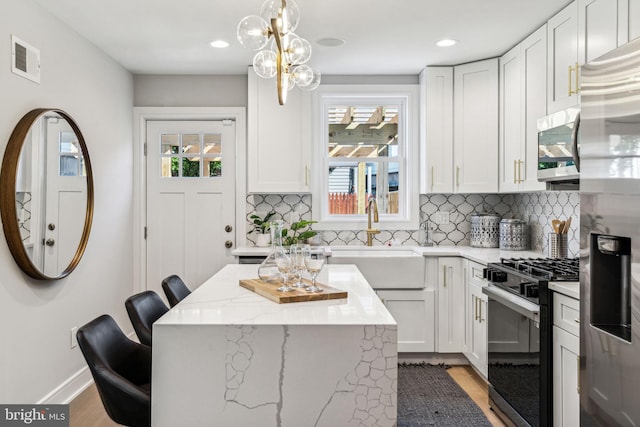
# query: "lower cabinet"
450 308
566 364
414 311
475 339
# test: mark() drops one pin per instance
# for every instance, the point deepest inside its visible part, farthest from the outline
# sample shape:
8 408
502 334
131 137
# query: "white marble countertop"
570 289
221 301
481 255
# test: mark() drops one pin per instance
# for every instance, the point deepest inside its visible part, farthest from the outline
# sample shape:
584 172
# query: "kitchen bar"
227 356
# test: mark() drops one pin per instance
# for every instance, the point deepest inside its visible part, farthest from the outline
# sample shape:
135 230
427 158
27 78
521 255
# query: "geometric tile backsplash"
537 209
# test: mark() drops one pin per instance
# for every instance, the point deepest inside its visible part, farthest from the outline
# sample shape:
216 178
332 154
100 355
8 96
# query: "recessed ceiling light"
446 42
219 44
330 42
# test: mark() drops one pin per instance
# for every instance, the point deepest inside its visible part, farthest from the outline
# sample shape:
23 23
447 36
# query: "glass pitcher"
268 270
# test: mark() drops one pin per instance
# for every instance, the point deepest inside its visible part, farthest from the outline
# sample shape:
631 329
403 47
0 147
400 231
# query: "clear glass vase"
268 270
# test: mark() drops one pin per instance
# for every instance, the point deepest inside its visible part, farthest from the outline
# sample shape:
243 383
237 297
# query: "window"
366 149
70 155
191 155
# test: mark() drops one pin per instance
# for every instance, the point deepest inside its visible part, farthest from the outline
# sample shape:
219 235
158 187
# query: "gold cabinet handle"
433 176
520 162
578 368
444 275
515 165
570 80
475 303
577 79
457 176
306 176
480 309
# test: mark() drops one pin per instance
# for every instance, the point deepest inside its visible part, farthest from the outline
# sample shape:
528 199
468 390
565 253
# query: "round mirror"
46 194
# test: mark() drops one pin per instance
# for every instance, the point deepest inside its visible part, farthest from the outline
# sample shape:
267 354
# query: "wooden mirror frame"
8 211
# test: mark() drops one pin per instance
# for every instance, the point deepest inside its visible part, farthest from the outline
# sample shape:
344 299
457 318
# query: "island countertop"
222 301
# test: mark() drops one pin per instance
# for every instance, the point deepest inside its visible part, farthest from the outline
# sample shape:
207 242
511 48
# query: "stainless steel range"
519 336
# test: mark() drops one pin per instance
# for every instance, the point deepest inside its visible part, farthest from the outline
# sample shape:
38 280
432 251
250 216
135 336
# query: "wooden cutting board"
268 290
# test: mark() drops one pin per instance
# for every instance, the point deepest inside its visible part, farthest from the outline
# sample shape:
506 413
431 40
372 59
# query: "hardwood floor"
86 410
476 388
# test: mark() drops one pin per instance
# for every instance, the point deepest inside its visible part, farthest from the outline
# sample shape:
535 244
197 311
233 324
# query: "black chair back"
121 369
175 289
144 309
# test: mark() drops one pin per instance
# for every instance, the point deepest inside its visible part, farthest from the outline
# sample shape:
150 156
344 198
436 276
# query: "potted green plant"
261 226
299 232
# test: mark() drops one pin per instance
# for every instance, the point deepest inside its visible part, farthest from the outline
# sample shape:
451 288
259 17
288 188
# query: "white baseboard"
74 385
68 390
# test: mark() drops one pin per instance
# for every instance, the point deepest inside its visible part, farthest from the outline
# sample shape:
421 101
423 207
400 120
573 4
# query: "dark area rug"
428 396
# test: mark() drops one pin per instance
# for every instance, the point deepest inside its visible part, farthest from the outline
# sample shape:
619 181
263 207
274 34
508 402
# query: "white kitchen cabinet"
436 129
450 308
523 101
566 361
414 311
279 139
562 59
603 25
633 19
475 348
475 131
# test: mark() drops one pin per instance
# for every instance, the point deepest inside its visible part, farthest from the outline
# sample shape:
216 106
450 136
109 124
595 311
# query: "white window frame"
407 98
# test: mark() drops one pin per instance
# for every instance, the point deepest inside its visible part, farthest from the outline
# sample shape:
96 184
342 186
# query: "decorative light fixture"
287 56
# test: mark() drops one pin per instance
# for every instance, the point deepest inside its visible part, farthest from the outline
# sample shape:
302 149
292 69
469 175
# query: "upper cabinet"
279 139
633 18
603 25
562 55
523 82
436 128
475 127
459 128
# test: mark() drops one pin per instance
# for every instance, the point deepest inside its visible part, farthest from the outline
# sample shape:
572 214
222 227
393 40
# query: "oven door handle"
514 302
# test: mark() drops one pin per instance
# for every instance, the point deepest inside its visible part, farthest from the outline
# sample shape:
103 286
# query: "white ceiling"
381 37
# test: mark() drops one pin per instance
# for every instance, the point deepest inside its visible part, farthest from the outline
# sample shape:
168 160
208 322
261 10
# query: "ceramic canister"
514 235
484 230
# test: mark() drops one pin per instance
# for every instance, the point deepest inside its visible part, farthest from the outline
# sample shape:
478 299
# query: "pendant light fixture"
281 53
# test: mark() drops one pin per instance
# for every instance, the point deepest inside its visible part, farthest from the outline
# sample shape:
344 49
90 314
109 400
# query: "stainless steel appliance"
610 240
558 144
519 325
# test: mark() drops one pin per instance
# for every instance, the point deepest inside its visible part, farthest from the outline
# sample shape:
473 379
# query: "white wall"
36 317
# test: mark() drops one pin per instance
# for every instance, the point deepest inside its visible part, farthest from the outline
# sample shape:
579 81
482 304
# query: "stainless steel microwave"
558 145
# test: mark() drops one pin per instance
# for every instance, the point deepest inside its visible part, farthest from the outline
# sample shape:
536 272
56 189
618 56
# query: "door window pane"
191 155
70 154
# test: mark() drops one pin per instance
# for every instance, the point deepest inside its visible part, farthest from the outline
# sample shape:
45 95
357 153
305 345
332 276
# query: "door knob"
228 229
228 244
50 242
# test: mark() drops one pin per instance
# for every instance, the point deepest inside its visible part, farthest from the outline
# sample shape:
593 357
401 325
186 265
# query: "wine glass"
297 253
284 264
314 260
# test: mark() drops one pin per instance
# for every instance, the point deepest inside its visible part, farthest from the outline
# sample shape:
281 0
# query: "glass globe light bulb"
302 75
265 64
299 50
315 81
253 32
290 16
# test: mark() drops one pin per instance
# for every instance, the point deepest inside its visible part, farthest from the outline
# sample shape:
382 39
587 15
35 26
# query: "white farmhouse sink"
384 267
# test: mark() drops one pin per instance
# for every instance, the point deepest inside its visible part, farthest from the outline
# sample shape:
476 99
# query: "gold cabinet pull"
444 275
306 176
578 368
457 176
570 80
433 175
475 303
515 165
577 69
520 180
480 305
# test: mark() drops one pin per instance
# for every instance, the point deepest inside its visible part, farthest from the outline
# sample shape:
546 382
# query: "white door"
190 199
66 196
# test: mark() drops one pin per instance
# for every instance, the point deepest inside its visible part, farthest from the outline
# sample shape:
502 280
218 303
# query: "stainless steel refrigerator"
609 381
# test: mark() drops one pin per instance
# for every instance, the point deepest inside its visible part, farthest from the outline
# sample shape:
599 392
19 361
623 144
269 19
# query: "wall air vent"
25 60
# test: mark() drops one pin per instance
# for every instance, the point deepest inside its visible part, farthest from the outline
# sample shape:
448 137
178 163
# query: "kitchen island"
227 356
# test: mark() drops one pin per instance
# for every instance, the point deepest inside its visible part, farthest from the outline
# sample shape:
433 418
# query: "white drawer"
566 313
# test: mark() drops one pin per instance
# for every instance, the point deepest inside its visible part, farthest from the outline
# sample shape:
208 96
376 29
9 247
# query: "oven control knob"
497 276
529 290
